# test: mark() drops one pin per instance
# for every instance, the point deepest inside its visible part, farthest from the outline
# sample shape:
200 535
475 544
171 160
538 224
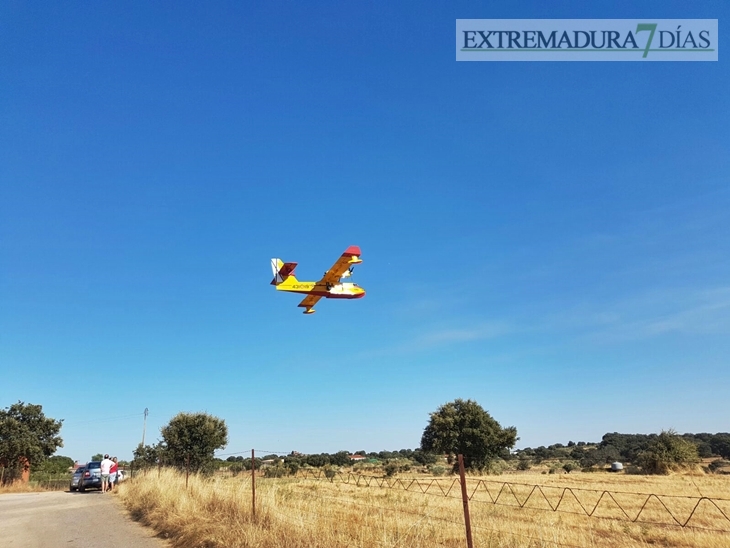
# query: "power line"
101 419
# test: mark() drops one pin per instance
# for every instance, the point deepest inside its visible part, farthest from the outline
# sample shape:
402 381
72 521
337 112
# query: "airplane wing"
350 257
308 302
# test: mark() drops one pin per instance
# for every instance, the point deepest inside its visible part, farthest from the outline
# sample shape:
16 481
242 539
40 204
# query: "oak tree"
464 427
191 439
27 437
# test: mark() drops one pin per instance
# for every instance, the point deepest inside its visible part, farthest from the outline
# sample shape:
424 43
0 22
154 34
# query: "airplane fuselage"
331 291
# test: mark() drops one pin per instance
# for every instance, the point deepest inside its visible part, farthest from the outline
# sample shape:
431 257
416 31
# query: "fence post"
465 501
187 469
253 485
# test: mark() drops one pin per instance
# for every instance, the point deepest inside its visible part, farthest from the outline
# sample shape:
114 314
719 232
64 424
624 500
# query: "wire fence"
499 509
704 513
42 481
700 513
51 483
453 522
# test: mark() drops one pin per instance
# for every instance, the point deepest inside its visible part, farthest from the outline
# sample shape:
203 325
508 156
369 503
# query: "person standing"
113 471
106 466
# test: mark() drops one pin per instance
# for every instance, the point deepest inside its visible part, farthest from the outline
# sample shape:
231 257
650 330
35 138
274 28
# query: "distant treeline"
614 446
623 447
341 458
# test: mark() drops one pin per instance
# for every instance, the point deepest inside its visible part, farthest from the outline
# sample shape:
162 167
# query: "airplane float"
329 287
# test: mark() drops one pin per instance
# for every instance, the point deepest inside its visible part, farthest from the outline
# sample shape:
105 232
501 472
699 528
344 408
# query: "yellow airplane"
330 286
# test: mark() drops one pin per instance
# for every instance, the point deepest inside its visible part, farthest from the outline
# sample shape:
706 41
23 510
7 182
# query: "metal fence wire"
703 513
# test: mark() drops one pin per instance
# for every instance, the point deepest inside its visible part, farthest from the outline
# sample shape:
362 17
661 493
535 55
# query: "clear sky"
551 240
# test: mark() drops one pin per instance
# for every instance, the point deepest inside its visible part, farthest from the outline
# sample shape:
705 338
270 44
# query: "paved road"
70 520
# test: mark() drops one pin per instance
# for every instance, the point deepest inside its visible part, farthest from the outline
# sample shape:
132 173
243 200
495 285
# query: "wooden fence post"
187 469
253 485
465 502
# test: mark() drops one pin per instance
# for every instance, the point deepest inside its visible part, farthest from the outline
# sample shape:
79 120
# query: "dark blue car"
76 478
91 478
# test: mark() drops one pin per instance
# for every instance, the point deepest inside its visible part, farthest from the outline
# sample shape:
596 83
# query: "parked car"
91 478
76 478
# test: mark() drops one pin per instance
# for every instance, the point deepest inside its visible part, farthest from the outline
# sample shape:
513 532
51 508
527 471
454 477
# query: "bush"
421 457
667 452
275 471
569 467
293 468
391 469
364 467
524 464
717 464
496 467
438 470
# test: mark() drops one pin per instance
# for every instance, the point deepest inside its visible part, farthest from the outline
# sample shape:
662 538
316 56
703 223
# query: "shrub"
438 470
276 471
496 467
667 452
569 467
717 464
391 469
293 468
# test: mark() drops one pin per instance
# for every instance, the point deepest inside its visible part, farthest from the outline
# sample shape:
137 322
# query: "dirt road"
70 520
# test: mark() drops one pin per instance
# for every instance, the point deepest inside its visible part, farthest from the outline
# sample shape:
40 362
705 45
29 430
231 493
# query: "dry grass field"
306 513
19 487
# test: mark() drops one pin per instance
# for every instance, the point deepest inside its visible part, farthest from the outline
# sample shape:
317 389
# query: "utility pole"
144 427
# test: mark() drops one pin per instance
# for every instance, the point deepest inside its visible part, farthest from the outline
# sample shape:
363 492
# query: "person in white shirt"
106 466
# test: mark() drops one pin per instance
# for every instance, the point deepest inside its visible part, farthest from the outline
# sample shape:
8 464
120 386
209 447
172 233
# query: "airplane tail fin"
283 272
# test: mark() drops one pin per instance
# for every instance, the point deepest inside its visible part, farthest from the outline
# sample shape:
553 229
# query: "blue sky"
548 239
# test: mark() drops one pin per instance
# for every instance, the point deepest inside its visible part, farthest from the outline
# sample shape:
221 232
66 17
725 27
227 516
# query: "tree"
97 456
628 446
464 427
704 449
322 459
57 464
720 445
667 452
341 458
27 437
191 439
145 455
424 458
